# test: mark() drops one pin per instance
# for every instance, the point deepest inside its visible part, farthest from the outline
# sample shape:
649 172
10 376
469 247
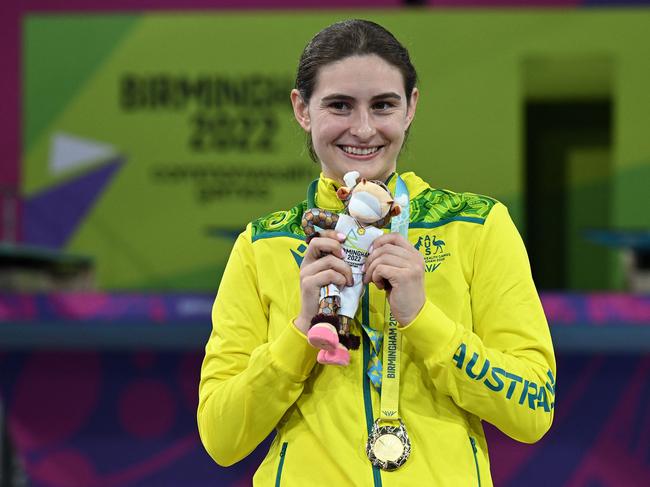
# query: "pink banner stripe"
149 5
595 310
10 13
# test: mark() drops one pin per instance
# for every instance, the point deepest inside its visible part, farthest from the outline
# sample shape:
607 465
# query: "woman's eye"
382 105
339 106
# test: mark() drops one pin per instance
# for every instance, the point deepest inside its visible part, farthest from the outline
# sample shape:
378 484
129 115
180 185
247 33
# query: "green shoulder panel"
439 206
432 207
280 224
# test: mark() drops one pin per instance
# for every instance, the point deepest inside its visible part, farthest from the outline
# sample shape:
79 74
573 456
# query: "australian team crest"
432 249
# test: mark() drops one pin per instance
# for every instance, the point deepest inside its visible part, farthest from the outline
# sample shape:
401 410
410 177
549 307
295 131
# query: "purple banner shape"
88 419
52 216
114 308
561 309
503 3
600 434
615 3
17 307
596 309
83 419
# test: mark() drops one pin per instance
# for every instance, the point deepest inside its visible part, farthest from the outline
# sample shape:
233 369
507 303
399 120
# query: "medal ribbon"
392 337
391 368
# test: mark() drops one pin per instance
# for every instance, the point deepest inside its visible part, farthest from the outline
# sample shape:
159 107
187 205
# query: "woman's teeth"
359 151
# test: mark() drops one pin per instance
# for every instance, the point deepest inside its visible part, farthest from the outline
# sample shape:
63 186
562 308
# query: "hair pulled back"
352 37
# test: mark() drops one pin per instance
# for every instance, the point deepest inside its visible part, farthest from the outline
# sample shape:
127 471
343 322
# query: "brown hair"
353 37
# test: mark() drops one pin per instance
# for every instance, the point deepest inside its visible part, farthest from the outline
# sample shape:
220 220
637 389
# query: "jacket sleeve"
247 384
502 371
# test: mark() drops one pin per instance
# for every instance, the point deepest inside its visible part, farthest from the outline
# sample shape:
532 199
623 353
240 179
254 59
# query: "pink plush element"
338 356
323 336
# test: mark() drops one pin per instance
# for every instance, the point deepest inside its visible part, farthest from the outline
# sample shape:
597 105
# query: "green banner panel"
150 140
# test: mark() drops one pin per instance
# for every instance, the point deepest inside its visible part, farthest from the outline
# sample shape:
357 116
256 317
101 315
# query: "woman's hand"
322 264
395 265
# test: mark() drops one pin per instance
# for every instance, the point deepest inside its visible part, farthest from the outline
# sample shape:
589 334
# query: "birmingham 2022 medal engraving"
388 447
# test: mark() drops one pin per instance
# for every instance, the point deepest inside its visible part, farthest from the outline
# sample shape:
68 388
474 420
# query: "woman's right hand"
322 265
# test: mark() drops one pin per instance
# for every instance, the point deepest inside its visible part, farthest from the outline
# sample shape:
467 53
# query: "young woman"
469 341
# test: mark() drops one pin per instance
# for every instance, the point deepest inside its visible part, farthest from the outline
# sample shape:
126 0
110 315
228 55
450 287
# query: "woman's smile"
357 116
361 153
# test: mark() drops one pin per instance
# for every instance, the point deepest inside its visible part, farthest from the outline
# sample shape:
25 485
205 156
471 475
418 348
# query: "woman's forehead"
359 76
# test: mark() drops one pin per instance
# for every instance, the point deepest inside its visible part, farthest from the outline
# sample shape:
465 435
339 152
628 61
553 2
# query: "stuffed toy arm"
315 219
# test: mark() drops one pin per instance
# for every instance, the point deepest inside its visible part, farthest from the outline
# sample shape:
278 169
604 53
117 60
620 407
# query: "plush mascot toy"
369 206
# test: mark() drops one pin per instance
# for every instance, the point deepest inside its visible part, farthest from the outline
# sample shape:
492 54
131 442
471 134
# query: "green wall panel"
151 227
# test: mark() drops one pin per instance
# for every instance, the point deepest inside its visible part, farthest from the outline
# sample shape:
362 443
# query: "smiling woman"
451 336
357 116
359 71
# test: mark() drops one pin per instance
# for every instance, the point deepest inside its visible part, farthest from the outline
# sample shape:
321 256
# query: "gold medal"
388 447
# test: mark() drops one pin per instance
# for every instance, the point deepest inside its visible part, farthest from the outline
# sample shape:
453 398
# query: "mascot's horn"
350 178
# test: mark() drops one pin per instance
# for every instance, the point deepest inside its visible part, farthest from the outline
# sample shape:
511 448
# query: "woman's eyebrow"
341 96
390 94
337 96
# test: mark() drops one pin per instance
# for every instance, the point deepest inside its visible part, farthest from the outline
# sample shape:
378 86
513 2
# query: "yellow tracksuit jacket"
479 350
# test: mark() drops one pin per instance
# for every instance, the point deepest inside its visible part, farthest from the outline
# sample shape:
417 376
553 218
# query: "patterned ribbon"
398 224
374 364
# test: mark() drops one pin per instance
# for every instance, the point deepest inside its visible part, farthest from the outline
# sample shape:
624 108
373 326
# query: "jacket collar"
322 191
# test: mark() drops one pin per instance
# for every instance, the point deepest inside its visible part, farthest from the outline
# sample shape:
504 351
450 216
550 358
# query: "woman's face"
357 116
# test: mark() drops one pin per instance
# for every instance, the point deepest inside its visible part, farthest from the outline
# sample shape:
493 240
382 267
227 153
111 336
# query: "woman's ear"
413 102
300 110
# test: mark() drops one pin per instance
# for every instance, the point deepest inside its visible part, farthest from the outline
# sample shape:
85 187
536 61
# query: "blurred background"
138 137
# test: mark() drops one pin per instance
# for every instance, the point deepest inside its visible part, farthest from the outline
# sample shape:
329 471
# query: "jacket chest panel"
278 263
447 254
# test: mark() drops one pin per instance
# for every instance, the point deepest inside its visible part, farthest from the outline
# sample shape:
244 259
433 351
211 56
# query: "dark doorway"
568 174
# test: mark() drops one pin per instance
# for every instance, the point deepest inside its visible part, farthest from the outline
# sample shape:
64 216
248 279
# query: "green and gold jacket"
479 350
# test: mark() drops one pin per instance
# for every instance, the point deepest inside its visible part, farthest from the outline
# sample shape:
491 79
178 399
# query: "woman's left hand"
394 261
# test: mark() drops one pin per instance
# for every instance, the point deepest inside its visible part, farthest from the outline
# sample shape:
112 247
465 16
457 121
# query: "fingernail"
363 268
370 249
342 253
341 236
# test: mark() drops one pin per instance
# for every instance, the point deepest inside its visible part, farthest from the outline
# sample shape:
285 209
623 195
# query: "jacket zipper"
474 450
367 401
282 454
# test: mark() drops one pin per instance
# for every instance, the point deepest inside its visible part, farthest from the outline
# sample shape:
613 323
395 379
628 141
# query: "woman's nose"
362 125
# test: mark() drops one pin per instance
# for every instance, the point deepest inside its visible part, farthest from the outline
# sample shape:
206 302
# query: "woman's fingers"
322 265
329 242
391 256
395 265
325 278
397 253
381 274
328 262
391 244
325 252
392 239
